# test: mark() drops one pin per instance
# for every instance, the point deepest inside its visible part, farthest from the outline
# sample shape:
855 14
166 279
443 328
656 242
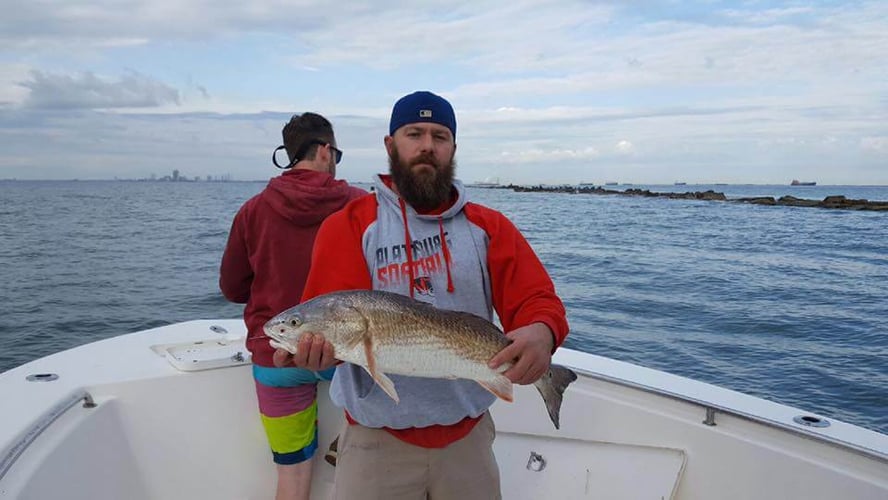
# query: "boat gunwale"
647 380
812 433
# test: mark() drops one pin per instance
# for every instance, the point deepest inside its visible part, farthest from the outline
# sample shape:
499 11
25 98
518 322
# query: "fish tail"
552 386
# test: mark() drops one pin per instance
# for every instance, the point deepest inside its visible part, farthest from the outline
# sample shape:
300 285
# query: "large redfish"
389 333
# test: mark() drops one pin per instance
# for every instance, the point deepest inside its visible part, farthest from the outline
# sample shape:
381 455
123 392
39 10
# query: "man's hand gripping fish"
389 333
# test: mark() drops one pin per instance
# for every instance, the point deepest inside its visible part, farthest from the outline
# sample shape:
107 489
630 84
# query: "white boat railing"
18 447
807 425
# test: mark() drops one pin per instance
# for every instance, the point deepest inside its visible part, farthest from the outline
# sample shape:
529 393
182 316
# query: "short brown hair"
301 130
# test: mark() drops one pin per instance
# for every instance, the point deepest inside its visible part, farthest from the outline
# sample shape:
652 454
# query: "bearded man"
418 235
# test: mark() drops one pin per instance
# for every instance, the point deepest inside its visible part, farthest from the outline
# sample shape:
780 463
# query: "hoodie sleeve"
523 292
235 272
337 260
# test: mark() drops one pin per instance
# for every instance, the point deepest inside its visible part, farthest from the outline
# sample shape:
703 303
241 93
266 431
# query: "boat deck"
174 415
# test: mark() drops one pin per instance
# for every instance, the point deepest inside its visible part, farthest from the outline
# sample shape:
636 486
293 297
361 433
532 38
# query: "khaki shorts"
374 465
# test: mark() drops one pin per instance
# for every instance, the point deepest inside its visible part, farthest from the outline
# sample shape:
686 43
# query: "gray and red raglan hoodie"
269 247
463 257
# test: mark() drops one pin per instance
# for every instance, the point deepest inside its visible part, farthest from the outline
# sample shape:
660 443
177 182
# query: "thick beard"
424 190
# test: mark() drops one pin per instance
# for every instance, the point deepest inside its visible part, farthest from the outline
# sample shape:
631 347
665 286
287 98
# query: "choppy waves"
784 303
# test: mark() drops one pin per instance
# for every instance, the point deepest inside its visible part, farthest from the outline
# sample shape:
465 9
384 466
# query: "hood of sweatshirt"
306 197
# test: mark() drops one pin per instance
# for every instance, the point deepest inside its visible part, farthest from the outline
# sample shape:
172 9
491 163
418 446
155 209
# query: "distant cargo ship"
490 182
801 183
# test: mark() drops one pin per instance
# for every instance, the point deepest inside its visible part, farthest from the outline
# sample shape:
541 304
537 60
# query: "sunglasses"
301 152
336 151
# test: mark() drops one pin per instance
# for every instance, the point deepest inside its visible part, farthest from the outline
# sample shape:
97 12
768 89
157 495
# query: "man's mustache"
426 158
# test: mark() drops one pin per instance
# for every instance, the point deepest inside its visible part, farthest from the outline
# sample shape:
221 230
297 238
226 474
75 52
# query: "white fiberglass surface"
158 432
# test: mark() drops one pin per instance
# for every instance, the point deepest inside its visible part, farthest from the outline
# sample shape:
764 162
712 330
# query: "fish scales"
421 341
386 332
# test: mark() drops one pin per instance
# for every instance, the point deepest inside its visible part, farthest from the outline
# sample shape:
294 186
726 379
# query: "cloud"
11 91
767 16
88 144
95 144
88 91
548 155
513 36
548 91
625 147
90 23
876 144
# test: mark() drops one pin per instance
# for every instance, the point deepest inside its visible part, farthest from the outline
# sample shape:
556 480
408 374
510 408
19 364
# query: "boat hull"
157 430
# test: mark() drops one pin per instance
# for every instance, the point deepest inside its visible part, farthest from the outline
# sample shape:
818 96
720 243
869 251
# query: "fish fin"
381 379
386 385
280 345
500 386
551 387
352 342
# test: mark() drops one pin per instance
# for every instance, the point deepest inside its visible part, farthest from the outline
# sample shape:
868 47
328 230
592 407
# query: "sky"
552 92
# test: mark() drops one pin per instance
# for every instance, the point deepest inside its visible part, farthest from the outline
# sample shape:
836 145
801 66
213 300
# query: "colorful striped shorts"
288 408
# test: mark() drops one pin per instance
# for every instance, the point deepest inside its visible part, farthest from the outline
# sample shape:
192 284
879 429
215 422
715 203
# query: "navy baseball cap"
422 106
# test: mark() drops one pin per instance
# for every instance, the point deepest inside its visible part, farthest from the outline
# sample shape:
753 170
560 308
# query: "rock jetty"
835 202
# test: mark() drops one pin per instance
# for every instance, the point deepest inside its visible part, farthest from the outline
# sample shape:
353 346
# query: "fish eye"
295 321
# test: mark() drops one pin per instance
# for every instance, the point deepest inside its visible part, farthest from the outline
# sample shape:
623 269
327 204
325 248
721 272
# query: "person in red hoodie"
420 236
265 264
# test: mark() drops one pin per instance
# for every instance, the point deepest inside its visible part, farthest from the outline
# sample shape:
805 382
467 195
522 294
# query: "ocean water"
789 304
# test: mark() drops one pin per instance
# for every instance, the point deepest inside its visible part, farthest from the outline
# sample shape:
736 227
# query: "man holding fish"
425 430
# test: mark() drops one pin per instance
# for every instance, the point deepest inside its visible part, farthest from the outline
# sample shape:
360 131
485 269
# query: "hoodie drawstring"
446 250
408 242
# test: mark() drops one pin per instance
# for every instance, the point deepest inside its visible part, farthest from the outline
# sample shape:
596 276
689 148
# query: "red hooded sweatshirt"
268 254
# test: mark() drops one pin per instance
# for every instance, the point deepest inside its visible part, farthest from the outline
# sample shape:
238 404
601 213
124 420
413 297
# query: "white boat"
170 413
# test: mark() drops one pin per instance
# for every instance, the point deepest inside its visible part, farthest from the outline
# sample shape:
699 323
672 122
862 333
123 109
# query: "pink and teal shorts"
288 408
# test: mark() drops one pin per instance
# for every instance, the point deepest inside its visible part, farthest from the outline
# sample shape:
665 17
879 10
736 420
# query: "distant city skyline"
176 176
573 92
